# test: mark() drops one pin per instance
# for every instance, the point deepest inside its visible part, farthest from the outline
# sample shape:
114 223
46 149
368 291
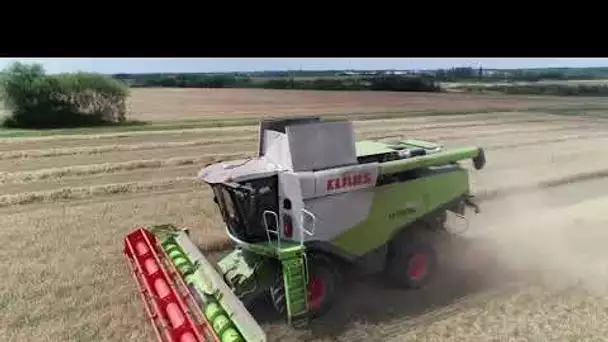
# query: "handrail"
268 230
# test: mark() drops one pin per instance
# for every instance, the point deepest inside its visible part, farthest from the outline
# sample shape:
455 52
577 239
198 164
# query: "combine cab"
312 202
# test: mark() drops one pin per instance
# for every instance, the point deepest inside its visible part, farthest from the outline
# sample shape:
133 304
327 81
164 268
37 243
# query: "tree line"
380 82
357 80
468 74
33 99
597 90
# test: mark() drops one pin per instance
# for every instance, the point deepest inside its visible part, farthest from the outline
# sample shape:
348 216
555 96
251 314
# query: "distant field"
162 104
532 266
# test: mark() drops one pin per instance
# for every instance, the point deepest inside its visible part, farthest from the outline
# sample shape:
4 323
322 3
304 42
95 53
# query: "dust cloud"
557 237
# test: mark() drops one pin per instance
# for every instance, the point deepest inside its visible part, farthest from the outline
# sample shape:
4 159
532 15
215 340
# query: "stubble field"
531 266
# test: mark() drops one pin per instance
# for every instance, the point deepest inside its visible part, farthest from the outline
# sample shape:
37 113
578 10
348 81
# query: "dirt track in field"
532 265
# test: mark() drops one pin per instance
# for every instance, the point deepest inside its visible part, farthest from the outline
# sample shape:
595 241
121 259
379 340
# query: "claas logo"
348 181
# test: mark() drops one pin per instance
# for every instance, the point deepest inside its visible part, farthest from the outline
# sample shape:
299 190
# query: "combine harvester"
312 203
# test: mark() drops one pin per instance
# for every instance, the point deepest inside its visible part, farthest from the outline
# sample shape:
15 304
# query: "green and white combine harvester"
313 203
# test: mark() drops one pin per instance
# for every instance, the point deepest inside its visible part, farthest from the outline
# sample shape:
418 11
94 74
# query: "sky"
155 65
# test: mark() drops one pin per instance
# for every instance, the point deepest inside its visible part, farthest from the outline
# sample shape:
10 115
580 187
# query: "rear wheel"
323 282
411 263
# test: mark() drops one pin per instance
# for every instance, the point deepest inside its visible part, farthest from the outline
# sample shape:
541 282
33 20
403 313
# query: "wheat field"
530 267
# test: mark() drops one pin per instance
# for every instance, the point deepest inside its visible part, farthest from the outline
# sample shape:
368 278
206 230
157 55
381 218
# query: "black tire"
319 267
411 265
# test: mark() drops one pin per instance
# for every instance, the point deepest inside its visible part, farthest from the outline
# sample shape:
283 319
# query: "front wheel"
323 283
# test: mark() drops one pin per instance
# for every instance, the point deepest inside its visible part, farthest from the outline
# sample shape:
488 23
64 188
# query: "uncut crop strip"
404 130
252 129
572 174
80 193
94 150
93 139
106 168
250 137
214 132
82 170
34 164
141 175
117 167
237 142
432 131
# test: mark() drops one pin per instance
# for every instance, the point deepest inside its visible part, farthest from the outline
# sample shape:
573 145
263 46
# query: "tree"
37 100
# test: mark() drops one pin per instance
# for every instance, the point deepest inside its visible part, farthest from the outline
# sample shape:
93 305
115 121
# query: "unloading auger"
313 202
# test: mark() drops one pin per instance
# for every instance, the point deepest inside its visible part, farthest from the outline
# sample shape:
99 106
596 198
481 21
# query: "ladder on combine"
294 269
295 279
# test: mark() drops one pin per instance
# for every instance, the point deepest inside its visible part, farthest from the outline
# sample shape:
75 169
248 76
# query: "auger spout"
440 158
